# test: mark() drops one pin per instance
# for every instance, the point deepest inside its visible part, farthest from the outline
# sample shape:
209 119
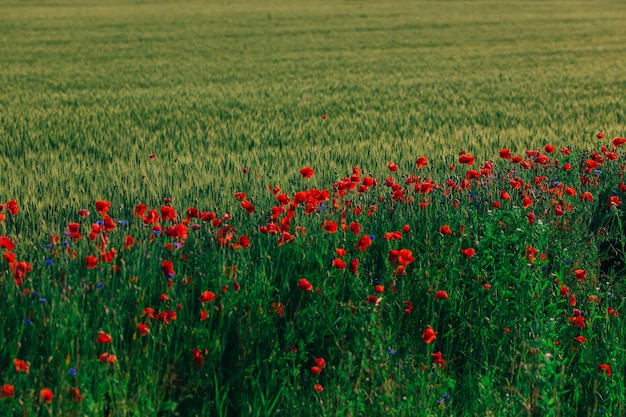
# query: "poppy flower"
392 167
45 395
316 370
363 243
7 391
505 153
580 339
586 196
102 207
339 264
467 159
438 359
441 295
581 274
409 307
321 362
605 369
207 296
12 207
330 227
168 269
21 366
108 358
421 162
197 357
504 195
429 335
143 329
104 338
6 243
406 229
307 172
318 387
353 266
379 289
305 285
355 228
526 202
75 395
600 135
445 230
91 261
468 252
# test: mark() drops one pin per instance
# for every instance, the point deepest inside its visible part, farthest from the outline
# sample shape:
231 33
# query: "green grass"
88 90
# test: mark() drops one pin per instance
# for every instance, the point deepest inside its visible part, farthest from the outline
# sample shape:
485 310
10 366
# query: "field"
294 208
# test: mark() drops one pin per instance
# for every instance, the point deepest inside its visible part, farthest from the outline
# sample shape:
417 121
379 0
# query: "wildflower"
207 296
168 269
318 387
445 230
392 167
466 158
581 274
438 360
421 162
605 369
45 395
6 243
429 335
581 339
305 285
7 391
21 366
441 295
468 252
104 338
143 329
321 362
197 357
363 243
108 358
353 266
339 264
91 261
307 172
102 207
75 395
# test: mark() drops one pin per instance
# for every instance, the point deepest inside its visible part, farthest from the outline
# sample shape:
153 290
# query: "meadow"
317 208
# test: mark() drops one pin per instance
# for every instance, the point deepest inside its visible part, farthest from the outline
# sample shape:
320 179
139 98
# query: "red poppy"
207 296
330 227
468 252
527 202
318 387
6 243
355 228
438 360
445 230
400 256
586 196
143 329
504 195
168 269
321 362
580 339
307 172
363 243
409 307
91 261
305 285
581 274
429 335
600 135
406 229
75 395
505 153
12 207
168 213
21 366
7 391
353 266
421 161
339 264
198 357
102 207
247 206
549 148
340 252
605 369
466 158
45 395
392 167
316 370
441 295
104 338
379 289
108 358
